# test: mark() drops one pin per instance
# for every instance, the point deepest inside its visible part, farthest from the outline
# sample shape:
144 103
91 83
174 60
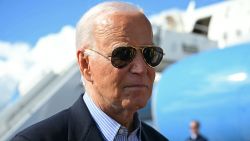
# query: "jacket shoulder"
53 128
149 133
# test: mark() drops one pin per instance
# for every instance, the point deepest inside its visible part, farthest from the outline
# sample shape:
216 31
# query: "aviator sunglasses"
122 56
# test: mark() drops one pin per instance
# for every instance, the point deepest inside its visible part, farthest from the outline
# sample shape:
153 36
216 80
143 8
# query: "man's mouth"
136 86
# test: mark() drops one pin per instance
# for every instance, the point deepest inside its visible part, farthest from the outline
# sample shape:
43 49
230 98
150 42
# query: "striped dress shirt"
110 129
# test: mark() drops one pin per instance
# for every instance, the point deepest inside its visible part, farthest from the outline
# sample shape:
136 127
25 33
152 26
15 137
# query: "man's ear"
83 62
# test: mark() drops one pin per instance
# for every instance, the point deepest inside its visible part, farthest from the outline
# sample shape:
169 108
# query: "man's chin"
136 105
136 90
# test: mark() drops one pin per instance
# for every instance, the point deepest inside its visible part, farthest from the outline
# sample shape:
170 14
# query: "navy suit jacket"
75 124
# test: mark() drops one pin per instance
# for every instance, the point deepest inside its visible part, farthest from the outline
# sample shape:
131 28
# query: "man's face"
194 128
128 88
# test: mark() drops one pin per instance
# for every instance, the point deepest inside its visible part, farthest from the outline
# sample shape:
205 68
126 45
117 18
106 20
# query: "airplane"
181 34
212 87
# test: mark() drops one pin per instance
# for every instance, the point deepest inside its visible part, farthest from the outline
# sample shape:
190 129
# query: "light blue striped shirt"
112 130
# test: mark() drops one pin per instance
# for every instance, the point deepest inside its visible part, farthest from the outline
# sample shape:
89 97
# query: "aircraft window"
189 48
201 26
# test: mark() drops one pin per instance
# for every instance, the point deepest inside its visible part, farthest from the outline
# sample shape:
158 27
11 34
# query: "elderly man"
116 57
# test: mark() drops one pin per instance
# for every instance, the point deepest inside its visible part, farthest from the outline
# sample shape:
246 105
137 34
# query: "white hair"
84 28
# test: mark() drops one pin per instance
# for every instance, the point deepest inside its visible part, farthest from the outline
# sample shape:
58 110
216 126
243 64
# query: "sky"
37 38
28 20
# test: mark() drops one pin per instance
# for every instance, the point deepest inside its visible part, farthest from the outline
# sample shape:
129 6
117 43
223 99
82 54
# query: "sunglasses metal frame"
141 48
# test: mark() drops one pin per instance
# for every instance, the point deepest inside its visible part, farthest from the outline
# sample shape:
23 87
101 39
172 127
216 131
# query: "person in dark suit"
116 57
195 133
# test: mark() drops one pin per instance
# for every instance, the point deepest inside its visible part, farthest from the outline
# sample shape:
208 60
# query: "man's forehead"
120 21
115 18
122 28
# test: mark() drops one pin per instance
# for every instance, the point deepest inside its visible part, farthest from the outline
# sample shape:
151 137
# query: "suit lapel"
93 135
81 126
144 136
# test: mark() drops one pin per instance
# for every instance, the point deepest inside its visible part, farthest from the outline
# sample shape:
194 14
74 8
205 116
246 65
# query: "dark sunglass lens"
122 56
153 55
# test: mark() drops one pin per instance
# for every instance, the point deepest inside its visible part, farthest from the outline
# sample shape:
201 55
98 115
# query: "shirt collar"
107 125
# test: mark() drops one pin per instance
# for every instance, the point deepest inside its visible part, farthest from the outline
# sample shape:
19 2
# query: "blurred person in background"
116 57
195 132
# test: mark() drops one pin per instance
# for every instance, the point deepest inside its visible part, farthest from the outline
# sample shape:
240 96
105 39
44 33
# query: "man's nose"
138 65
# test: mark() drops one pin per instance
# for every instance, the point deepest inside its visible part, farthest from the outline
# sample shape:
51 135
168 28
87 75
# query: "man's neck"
122 116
